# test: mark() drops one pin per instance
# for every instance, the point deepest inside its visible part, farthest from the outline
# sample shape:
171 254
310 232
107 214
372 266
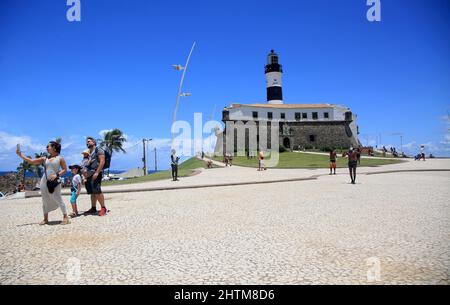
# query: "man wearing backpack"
94 180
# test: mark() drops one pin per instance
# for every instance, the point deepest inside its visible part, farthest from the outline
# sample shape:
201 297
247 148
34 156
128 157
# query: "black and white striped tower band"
273 72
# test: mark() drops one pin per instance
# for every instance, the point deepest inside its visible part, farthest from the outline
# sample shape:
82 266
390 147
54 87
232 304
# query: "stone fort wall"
295 135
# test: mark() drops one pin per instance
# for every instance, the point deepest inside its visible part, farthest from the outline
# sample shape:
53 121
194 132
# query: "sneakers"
91 211
102 212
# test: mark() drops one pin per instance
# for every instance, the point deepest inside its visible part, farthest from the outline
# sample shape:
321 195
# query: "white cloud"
431 147
103 132
160 143
411 145
9 142
445 143
446 140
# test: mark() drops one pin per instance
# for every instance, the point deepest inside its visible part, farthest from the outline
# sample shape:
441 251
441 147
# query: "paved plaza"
322 231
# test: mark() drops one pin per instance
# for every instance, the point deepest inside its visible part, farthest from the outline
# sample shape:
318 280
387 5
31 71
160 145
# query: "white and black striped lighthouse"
273 72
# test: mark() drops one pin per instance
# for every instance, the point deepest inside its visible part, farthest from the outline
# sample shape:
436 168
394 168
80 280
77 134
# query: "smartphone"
18 147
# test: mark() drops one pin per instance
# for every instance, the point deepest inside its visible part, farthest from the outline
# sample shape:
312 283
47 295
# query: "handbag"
51 185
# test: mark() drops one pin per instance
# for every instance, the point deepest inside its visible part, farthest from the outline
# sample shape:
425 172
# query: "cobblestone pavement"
324 231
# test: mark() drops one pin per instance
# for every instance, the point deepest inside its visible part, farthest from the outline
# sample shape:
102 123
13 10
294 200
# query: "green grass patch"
184 169
304 160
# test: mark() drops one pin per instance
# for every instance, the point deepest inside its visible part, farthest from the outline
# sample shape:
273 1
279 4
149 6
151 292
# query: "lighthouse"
273 72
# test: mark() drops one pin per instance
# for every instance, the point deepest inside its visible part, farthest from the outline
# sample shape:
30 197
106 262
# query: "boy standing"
76 188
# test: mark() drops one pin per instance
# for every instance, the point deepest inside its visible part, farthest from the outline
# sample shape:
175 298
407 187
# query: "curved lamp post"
180 94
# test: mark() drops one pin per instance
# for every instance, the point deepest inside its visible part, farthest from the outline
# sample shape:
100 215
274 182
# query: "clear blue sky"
113 69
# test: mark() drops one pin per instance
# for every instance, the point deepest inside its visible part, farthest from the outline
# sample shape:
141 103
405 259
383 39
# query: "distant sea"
4 173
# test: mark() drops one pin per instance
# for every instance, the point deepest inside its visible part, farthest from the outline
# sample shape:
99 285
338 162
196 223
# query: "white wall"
273 79
246 113
339 113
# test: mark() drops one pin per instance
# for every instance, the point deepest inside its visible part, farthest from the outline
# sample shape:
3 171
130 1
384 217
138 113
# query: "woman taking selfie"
55 167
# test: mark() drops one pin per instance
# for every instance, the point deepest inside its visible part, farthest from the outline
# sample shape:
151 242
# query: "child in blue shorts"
76 188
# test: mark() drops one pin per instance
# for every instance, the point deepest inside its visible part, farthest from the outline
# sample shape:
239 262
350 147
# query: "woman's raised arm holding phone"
29 160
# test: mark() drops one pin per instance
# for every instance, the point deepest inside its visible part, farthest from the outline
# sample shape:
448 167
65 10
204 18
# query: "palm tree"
23 168
38 169
113 140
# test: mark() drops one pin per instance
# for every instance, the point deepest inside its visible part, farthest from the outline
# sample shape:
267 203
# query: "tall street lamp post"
180 87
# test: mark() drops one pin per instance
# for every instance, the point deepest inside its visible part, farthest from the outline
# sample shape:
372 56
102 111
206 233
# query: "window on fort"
297 116
255 114
283 116
269 115
304 115
315 115
326 115
312 138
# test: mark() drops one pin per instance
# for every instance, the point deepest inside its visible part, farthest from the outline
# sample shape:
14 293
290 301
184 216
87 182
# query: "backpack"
107 157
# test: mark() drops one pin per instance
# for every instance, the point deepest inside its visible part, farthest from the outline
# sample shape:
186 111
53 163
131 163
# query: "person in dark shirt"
94 181
352 163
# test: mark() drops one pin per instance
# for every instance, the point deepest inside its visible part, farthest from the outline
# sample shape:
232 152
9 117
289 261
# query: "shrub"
328 148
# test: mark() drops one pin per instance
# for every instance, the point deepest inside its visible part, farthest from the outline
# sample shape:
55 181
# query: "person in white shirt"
174 164
76 188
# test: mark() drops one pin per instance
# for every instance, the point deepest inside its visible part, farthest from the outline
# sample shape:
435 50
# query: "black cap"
75 166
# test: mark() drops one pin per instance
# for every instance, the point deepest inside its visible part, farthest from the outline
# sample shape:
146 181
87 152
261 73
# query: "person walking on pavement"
174 164
352 163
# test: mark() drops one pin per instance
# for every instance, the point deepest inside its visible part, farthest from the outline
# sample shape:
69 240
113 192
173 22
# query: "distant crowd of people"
353 155
393 152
